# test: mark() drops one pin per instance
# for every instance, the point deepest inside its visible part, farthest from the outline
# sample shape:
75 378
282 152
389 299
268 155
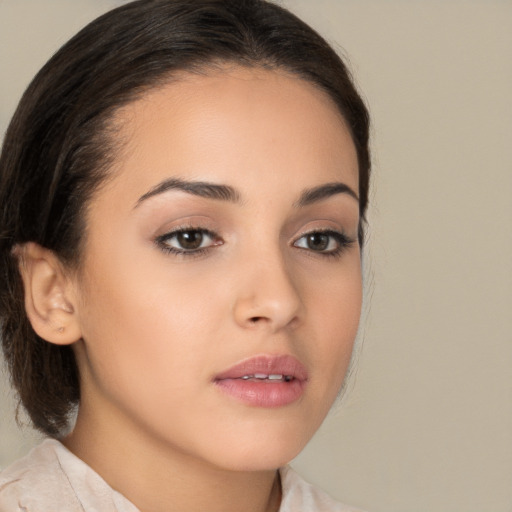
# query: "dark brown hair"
60 144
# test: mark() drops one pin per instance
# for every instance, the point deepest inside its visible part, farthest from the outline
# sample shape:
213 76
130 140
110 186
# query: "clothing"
51 476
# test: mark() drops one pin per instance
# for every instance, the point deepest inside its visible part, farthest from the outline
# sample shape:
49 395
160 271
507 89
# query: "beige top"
51 479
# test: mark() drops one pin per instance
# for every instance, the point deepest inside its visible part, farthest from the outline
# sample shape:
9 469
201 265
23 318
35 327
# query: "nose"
267 296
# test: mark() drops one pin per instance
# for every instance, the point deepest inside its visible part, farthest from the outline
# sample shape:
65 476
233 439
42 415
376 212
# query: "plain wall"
427 422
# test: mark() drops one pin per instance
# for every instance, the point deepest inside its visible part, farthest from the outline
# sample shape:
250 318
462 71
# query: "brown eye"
190 240
317 241
328 243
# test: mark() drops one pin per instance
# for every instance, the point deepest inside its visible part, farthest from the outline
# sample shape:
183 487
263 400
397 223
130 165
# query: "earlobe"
49 301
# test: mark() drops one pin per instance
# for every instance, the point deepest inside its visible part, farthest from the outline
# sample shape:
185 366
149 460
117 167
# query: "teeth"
264 376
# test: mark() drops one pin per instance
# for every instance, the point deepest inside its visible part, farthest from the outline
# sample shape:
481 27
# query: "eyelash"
343 242
163 241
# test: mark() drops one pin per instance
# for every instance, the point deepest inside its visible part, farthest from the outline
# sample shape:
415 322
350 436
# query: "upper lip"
285 365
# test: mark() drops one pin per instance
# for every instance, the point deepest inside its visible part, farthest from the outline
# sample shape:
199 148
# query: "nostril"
255 319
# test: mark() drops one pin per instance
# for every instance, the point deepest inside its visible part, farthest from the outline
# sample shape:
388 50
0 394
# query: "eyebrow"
196 188
313 195
226 193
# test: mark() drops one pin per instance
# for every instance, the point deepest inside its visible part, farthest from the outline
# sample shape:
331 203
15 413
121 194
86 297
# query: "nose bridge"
268 294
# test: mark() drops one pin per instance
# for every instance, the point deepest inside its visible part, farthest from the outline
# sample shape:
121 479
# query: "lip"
264 392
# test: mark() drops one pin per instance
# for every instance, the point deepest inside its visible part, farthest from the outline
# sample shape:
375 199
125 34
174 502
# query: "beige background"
427 424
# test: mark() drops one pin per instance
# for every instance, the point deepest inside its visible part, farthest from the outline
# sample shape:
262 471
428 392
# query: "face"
220 290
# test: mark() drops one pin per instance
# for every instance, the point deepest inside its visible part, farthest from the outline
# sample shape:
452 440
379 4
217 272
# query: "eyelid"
337 236
162 240
343 241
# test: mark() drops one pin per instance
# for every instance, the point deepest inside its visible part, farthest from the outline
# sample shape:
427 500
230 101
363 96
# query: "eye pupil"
318 241
190 239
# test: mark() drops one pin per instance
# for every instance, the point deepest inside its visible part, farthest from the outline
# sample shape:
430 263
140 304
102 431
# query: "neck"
157 478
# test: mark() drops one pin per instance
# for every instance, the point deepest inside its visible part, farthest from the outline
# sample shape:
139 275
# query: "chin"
260 461
266 450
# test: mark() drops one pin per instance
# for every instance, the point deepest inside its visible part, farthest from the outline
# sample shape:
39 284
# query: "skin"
151 329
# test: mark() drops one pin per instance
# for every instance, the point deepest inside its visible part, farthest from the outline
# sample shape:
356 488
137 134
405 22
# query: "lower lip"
262 394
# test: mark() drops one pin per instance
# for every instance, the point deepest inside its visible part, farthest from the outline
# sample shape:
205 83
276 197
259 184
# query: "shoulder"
300 496
50 477
33 482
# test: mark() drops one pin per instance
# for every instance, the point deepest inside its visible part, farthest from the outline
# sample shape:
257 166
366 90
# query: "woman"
183 191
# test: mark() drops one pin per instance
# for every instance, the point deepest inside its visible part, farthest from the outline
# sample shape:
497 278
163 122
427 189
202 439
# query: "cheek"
146 320
335 309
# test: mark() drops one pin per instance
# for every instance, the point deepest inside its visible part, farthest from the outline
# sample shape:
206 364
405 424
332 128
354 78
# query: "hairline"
114 122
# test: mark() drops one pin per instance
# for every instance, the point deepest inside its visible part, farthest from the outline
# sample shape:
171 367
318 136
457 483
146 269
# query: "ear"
49 298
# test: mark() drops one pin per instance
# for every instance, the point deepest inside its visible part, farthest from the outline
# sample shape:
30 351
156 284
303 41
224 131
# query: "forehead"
237 126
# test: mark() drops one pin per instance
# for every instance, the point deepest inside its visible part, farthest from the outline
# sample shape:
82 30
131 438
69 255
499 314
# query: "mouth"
268 378
264 381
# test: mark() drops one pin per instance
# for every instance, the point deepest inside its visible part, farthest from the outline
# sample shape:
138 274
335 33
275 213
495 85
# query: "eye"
326 242
188 240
